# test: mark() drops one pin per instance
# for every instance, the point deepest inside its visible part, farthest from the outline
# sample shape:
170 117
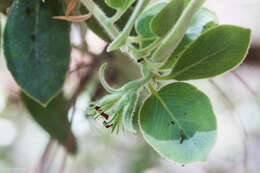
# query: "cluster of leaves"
177 40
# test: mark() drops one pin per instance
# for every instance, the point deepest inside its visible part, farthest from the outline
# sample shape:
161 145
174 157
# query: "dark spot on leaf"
172 122
28 11
185 113
181 137
91 105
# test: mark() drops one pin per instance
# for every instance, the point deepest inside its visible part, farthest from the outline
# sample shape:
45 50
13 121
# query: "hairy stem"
106 23
176 34
147 75
102 18
121 39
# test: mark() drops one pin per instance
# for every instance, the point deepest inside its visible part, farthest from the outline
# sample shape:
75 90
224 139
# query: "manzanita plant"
171 42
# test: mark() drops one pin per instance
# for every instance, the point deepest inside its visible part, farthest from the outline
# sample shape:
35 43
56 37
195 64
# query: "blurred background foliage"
235 97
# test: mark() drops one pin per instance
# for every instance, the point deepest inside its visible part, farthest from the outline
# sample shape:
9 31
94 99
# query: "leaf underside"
53 119
176 109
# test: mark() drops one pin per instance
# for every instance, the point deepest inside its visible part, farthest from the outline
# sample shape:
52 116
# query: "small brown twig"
70 7
42 163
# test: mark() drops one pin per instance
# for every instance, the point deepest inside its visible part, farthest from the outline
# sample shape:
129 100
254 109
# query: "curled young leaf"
128 112
37 47
216 51
179 123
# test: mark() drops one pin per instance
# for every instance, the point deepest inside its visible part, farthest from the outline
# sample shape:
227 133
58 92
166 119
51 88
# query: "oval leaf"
203 20
178 122
37 47
214 52
53 119
167 17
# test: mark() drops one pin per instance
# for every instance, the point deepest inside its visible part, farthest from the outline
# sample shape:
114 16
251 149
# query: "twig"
243 82
81 66
80 18
51 158
84 78
41 167
239 120
68 141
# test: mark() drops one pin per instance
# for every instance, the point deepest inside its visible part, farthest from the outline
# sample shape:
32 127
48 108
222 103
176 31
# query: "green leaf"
37 47
53 119
167 17
199 22
186 2
116 3
127 113
203 20
95 26
185 42
179 123
121 39
143 22
216 51
120 3
170 41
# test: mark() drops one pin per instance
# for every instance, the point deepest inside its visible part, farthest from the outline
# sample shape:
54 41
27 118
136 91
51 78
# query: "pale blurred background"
22 141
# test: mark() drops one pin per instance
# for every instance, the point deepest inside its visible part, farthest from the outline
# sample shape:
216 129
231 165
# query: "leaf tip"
114 45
